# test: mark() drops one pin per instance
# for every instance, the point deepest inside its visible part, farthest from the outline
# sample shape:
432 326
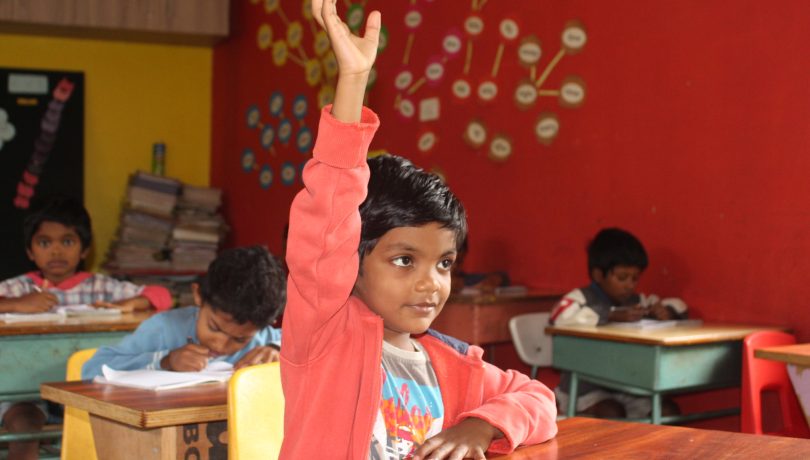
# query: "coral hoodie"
331 359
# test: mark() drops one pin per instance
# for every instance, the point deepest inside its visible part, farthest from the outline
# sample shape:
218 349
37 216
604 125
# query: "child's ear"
85 253
30 254
195 291
597 274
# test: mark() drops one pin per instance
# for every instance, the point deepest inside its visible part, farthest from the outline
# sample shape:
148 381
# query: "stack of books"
168 233
198 229
146 224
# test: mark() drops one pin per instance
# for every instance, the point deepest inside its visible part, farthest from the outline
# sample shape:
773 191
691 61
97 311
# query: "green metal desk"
652 362
33 353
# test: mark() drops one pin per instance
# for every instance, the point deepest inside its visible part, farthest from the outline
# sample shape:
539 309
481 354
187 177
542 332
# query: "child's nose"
428 282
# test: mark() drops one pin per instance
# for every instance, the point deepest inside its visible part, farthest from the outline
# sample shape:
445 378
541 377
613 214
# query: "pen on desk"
37 288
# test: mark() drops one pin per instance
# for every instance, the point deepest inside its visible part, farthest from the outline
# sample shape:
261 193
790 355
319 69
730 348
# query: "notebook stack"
146 224
198 228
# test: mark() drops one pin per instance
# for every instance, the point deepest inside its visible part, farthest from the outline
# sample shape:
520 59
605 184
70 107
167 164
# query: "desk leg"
572 395
120 441
656 408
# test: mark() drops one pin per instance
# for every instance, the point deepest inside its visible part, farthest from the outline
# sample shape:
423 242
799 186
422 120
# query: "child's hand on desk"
188 358
35 302
628 314
661 311
126 305
469 439
258 355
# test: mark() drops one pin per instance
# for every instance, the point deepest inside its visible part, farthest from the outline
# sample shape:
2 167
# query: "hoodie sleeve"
324 235
572 310
523 409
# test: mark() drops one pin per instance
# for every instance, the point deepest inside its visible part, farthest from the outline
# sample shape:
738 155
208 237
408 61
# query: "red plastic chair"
761 375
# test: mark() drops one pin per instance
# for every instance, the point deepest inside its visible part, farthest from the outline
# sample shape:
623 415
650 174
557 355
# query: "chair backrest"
530 339
255 412
77 435
761 375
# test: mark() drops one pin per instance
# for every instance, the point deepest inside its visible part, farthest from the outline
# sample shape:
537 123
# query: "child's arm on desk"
35 302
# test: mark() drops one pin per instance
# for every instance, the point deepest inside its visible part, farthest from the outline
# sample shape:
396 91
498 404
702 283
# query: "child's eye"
43 243
402 261
68 242
446 264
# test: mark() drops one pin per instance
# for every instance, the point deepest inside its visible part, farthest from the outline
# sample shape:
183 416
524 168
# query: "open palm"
355 55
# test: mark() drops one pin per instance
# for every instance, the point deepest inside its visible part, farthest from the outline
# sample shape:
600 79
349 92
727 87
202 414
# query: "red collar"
69 283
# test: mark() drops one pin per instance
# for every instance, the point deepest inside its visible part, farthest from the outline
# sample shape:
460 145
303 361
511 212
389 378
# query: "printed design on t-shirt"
411 412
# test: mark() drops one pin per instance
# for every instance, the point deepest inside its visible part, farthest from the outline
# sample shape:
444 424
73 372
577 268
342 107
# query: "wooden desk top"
126 322
672 336
143 408
791 354
595 438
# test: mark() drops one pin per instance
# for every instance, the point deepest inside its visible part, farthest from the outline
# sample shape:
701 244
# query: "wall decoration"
41 147
484 91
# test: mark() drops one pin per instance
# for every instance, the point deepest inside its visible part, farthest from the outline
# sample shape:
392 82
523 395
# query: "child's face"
406 279
619 283
56 250
218 331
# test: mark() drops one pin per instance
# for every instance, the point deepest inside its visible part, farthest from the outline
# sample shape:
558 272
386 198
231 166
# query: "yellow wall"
135 94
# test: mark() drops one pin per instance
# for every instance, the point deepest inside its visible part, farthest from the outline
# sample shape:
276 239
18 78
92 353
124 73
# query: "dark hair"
64 210
614 246
402 195
247 283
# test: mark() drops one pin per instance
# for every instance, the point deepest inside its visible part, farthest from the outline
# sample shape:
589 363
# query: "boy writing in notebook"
370 251
57 240
616 260
236 301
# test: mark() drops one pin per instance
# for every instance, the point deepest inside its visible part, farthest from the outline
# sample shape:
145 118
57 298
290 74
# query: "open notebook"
58 313
217 371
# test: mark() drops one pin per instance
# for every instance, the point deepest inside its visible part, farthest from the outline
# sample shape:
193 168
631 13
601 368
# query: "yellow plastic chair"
77 435
255 413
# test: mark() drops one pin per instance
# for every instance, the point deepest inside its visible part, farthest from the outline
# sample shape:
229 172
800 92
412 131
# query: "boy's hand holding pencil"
191 357
36 302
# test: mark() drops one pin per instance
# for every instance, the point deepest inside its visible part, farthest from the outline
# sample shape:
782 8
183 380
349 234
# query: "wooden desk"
138 424
599 439
32 353
484 319
797 358
652 362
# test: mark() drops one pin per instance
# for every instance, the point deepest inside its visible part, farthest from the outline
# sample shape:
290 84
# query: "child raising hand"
370 251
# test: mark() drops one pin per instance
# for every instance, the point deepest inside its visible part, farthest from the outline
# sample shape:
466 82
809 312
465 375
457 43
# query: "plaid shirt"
86 288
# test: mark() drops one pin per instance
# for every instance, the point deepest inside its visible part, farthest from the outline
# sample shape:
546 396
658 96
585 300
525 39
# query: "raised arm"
324 218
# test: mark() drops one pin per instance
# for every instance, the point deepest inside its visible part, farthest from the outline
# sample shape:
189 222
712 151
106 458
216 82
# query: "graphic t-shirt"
411 409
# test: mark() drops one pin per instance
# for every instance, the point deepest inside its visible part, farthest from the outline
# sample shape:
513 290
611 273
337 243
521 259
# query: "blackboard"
41 150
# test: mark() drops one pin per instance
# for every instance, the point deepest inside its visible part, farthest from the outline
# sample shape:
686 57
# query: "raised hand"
355 55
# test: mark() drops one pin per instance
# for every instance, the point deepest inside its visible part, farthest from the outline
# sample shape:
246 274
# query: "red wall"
694 135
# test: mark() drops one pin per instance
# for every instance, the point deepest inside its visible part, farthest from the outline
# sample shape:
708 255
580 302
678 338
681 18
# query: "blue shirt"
157 337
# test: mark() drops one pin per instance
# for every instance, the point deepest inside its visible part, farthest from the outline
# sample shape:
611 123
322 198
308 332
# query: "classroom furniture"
532 343
255 413
77 435
591 438
484 319
652 362
130 423
32 353
797 359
